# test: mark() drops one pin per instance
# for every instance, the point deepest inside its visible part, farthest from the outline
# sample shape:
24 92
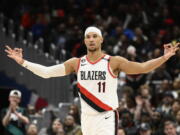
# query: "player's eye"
94 36
87 36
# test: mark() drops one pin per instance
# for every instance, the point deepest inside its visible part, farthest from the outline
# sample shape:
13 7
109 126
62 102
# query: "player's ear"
102 39
84 40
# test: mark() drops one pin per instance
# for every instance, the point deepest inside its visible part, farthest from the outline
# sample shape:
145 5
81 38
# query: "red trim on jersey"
110 70
93 98
116 121
78 65
96 60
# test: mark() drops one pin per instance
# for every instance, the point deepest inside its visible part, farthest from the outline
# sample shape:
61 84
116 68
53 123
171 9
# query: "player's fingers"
7 51
167 46
177 45
10 56
9 48
21 50
16 50
176 49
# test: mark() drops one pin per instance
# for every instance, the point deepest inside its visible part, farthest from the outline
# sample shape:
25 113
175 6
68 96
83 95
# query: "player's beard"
92 50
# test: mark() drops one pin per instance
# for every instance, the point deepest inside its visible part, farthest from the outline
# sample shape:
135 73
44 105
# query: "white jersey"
97 85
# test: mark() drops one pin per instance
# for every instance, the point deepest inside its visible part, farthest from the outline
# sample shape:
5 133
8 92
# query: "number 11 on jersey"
101 86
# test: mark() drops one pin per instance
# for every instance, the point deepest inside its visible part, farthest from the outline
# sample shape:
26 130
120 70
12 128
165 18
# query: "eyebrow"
92 34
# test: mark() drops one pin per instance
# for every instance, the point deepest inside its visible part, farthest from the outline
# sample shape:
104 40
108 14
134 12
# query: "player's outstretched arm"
40 70
136 68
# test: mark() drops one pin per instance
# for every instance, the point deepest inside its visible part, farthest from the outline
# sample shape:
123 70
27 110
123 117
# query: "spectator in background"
144 129
138 79
14 117
140 42
127 123
176 87
178 121
70 127
170 128
74 111
143 108
32 130
55 129
121 132
165 86
156 123
38 27
166 103
175 107
31 110
145 92
155 78
126 100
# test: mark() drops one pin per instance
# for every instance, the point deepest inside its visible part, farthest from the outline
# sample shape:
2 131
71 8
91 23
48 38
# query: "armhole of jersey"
78 65
110 70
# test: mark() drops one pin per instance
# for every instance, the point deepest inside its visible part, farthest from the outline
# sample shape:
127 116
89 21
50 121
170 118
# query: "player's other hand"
170 50
15 54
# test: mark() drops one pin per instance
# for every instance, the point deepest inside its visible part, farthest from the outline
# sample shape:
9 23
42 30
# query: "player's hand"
15 54
170 50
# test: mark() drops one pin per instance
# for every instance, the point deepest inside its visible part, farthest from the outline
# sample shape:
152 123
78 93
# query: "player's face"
93 41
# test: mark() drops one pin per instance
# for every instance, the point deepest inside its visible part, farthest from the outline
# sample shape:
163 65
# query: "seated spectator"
31 110
32 130
74 111
121 132
143 109
170 128
178 121
127 123
176 87
156 122
175 107
14 117
70 127
145 91
144 129
165 106
56 128
156 77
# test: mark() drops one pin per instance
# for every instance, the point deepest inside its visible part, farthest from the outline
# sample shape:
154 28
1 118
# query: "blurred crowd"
148 103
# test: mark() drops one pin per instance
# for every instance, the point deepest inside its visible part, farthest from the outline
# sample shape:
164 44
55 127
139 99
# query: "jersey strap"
93 101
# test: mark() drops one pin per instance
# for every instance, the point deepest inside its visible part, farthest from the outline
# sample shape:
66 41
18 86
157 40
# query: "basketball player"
97 79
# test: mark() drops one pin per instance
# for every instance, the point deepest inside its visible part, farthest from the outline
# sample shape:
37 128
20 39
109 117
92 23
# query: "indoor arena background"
51 31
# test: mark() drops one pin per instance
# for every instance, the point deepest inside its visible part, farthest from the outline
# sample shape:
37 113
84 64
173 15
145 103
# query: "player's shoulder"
72 64
116 61
73 60
116 58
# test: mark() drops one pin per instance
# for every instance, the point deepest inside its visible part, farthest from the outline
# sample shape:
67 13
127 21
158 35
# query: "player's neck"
93 56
